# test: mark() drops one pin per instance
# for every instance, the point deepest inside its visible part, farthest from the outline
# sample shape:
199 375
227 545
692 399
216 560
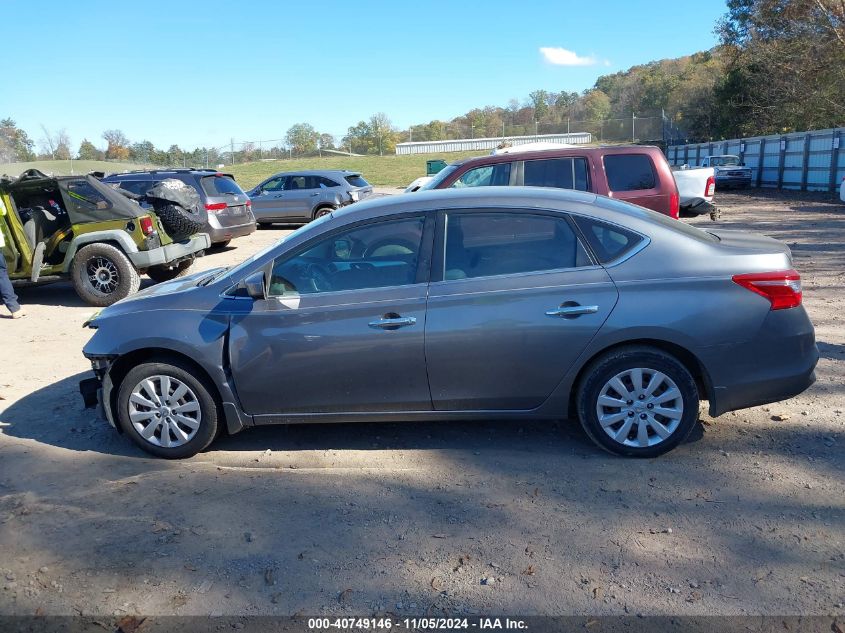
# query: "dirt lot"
748 517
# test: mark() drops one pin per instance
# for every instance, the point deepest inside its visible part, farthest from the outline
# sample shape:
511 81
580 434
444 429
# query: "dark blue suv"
229 208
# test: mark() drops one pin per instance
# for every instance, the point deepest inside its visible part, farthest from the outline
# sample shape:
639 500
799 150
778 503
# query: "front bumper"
732 181
96 390
171 252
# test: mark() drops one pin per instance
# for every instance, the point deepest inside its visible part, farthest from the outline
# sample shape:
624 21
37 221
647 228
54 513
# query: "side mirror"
254 192
255 285
742 164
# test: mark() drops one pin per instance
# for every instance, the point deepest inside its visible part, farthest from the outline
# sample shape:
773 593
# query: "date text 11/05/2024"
417 623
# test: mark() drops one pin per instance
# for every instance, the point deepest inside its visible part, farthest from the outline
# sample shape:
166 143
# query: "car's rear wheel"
163 273
319 213
167 409
638 402
103 275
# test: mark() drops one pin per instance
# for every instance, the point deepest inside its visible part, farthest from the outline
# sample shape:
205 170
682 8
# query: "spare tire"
178 206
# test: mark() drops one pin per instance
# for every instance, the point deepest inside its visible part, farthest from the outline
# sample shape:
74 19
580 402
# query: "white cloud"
562 57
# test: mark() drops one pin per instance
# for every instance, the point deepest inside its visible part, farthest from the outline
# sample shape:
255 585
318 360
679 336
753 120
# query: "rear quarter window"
629 172
608 242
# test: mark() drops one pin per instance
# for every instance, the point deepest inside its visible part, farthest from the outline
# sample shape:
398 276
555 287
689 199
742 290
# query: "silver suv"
302 196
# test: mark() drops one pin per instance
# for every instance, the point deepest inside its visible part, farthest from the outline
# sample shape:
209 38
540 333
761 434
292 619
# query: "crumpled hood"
180 293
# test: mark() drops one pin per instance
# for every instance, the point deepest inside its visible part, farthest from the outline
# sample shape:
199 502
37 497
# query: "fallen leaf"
269 576
781 417
129 624
160 526
439 536
436 583
529 571
598 593
590 623
694 596
345 595
836 627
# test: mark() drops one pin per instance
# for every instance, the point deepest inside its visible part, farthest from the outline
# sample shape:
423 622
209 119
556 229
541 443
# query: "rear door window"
629 172
486 244
136 186
561 173
485 176
328 183
85 197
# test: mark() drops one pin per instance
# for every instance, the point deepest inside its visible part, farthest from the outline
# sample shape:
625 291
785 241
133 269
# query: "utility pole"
232 147
633 127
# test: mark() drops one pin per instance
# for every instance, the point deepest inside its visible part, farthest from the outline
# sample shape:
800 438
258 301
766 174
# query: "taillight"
781 288
674 204
710 187
216 207
147 227
249 203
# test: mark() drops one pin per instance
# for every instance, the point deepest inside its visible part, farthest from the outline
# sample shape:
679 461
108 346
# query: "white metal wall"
812 161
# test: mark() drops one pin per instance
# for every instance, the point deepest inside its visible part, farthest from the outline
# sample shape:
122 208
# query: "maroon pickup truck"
636 173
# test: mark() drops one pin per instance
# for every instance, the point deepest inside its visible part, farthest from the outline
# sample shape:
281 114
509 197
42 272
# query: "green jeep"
77 228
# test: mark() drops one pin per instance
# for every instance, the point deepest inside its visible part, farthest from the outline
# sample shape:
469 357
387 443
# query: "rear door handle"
392 323
572 311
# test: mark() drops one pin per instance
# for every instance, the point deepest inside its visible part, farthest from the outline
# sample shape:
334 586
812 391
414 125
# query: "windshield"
724 161
235 272
442 175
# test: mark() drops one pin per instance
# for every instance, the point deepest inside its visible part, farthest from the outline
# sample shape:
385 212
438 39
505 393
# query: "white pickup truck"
730 171
696 186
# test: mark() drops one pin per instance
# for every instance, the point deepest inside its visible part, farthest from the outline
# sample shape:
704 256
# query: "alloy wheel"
103 275
640 407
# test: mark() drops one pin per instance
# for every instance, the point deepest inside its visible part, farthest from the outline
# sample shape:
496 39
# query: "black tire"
201 392
180 223
163 273
599 374
100 260
319 212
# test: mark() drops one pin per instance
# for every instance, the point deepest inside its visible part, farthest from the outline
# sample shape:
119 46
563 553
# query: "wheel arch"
322 205
117 238
121 366
689 360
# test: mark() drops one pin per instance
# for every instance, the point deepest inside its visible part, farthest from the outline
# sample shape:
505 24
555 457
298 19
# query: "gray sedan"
463 304
302 196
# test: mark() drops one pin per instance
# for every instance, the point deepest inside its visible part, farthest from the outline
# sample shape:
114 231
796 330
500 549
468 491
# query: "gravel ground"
747 517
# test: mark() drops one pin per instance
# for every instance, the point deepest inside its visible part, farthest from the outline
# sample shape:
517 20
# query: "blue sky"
199 73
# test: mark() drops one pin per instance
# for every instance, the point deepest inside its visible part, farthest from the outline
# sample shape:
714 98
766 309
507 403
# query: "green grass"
381 171
66 167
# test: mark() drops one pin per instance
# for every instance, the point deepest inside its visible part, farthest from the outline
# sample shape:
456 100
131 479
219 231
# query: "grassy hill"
66 167
382 171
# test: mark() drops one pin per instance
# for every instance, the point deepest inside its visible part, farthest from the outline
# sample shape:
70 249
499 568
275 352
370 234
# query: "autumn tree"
302 138
118 145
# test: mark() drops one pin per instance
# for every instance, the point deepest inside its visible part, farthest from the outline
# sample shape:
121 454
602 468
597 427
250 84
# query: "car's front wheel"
638 402
167 409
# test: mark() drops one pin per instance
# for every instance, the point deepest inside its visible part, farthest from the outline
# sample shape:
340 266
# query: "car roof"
562 152
337 173
175 170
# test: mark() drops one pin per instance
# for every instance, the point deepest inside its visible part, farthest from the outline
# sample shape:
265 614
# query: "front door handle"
392 322
569 310
314 195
